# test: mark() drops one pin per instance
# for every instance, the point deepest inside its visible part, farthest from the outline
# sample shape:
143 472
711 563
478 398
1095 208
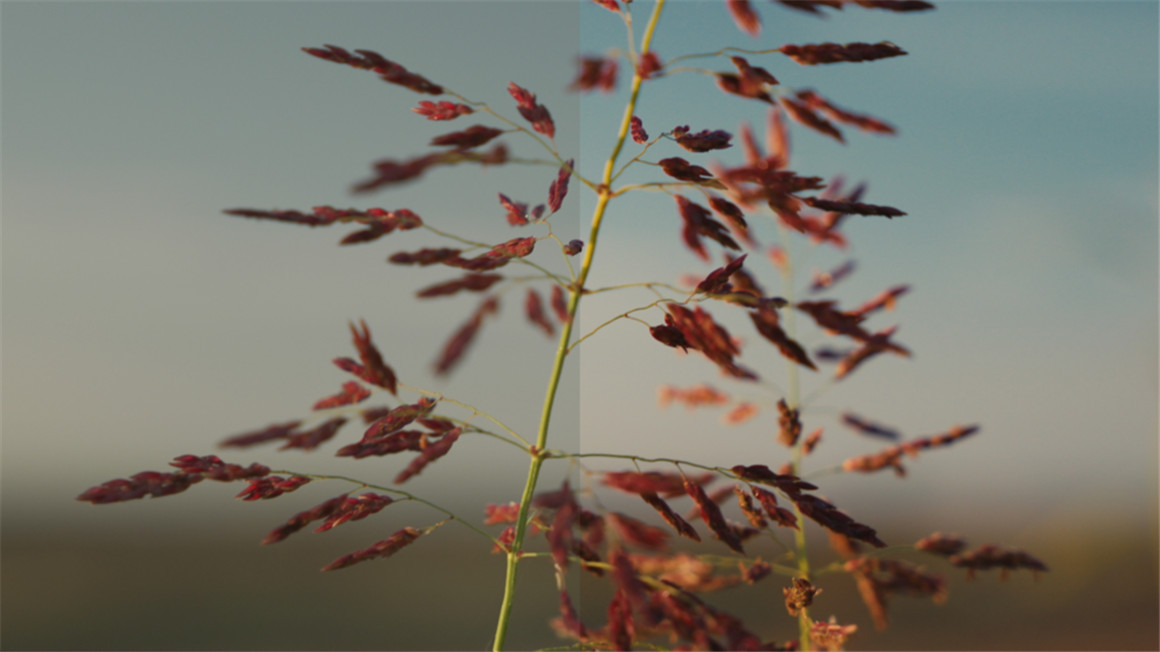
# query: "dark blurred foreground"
209 592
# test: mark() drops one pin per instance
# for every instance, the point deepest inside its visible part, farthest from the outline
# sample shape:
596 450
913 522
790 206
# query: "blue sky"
139 323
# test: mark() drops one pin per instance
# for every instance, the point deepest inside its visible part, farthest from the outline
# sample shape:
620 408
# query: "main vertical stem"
794 402
577 290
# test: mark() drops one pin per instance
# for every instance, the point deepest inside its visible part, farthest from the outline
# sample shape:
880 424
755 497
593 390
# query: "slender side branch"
405 494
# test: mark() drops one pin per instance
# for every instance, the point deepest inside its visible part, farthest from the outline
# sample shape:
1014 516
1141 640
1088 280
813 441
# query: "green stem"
577 290
793 399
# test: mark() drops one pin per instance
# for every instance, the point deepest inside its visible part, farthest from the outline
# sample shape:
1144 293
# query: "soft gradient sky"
139 323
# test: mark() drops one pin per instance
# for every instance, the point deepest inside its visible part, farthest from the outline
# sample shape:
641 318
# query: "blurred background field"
147 590
139 323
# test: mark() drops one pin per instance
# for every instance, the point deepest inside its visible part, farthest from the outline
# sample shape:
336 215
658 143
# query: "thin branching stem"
405 494
793 399
537 455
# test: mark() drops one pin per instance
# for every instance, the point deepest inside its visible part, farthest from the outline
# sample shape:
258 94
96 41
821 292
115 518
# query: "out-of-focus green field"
80 592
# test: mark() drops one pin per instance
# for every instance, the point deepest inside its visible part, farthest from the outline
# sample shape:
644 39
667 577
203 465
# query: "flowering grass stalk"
658 594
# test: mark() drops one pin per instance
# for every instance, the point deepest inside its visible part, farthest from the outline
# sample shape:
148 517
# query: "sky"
139 323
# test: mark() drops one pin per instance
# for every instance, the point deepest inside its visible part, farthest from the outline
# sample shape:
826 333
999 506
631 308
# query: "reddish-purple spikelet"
387 70
806 117
861 121
295 217
517 212
744 15
814 54
865 427
624 573
760 473
621 628
891 457
351 393
469 282
768 501
390 172
812 6
269 433
699 331
718 280
534 309
395 442
536 114
990 556
830 635
733 214
302 519
399 417
855 358
429 454
314 437
752 513
442 110
711 515
595 73
425 256
505 513
678 168
740 413
756 571
668 334
514 248
751 81
635 532
372 414
560 537
683 527
378 221
855 208
648 64
636 127
473 136
830 517
384 548
827 316
459 342
896 5
777 136
147 483
271 486
354 508
799 596
823 280
555 499
559 187
559 300
885 299
213 468
191 470
811 441
789 424
570 618
375 370
698 224
667 485
702 141
941 544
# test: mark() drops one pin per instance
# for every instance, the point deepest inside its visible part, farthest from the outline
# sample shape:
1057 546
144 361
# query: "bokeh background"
140 323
